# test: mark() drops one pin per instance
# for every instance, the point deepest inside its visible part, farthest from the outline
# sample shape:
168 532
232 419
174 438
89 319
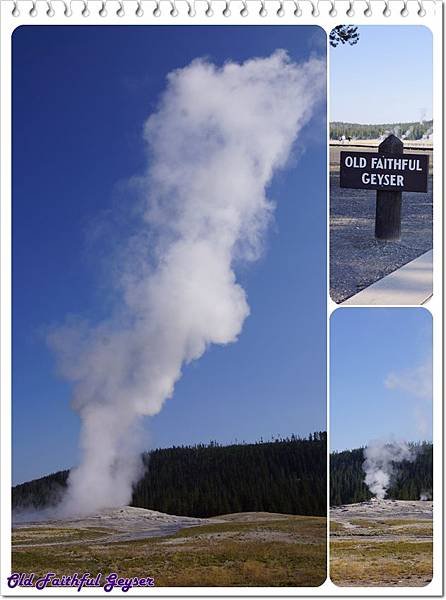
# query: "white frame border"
314 12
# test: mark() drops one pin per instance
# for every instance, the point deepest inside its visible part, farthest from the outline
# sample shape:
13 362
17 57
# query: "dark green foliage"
285 475
39 493
410 480
347 477
358 131
343 34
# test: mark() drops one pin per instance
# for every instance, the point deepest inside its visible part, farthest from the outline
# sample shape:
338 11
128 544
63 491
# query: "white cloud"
417 383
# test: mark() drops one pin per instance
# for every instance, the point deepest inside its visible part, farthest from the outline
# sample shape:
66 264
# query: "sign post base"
388 216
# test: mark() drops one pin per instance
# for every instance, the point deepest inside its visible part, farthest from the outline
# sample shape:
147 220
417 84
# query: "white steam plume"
379 464
214 143
381 455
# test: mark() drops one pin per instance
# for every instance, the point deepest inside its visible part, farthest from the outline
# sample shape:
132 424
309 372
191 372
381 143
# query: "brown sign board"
376 171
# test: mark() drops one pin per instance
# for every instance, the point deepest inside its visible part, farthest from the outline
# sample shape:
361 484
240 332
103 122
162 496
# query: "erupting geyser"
380 458
214 143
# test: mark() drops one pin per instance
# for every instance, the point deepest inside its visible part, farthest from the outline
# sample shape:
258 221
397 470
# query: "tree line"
411 480
285 475
358 131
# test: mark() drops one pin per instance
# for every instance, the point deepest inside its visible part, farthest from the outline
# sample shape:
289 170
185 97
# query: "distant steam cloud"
426 496
381 456
214 143
379 464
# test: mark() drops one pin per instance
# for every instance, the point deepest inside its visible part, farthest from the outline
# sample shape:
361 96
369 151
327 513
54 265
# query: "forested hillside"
358 131
411 479
39 493
285 476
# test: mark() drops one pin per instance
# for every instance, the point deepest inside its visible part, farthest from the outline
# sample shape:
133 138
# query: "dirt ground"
357 259
243 549
381 543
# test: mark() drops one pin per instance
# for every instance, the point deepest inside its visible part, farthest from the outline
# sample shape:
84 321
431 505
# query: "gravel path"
357 259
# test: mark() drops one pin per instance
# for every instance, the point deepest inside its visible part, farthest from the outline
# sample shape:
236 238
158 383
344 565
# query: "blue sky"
385 78
379 365
80 98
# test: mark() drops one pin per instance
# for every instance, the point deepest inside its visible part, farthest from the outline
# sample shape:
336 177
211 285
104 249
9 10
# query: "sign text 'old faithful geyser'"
375 171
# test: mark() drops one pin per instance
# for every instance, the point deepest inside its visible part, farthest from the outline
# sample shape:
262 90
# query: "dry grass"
400 557
363 522
51 535
384 528
281 552
380 563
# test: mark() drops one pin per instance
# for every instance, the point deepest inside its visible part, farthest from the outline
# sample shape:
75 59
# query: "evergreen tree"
358 131
411 479
343 34
285 475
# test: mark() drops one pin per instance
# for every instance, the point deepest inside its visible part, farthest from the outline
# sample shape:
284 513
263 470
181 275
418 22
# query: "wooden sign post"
390 172
388 204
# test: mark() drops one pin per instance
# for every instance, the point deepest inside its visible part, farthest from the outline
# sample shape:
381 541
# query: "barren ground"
245 549
381 543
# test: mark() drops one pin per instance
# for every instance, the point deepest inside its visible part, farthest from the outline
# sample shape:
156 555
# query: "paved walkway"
410 284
